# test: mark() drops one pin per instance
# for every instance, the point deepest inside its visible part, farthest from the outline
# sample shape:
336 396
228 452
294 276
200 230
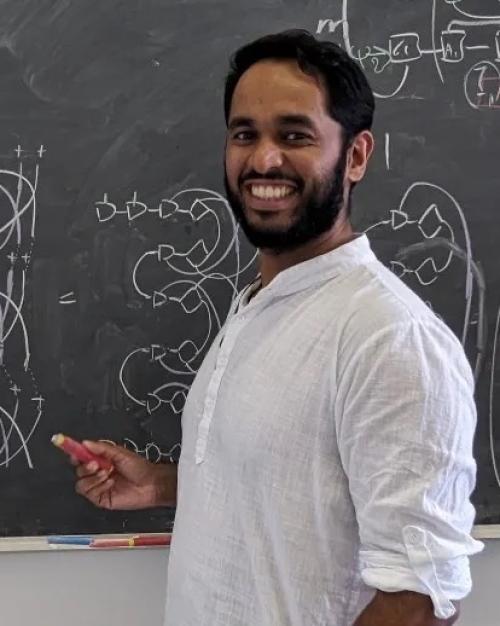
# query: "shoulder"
380 298
381 309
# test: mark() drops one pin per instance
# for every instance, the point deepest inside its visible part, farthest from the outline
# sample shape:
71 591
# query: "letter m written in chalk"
329 25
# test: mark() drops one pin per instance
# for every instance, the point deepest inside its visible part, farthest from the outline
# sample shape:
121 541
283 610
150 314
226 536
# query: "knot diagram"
21 404
426 242
190 279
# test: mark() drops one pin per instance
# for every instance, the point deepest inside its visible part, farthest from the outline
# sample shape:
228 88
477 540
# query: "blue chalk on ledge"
72 540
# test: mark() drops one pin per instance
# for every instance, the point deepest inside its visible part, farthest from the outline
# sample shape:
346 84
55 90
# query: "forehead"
272 87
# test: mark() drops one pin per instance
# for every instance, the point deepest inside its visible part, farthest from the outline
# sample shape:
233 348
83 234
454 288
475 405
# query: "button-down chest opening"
234 325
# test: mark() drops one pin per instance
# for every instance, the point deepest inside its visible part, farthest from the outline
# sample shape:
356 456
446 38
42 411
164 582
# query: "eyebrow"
236 122
284 120
297 120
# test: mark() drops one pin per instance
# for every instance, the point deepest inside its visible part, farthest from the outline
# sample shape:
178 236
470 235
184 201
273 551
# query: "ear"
359 154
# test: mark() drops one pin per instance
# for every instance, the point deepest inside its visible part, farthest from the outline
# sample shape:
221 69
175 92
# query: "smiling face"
285 157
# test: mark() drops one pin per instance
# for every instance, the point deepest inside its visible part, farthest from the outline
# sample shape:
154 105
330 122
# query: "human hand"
132 483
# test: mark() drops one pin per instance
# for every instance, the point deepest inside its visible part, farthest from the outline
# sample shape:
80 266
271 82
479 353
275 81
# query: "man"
326 462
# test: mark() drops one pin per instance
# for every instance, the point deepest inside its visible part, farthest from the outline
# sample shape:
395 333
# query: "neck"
272 263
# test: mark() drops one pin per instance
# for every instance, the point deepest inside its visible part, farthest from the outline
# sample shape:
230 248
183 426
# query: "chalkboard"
119 256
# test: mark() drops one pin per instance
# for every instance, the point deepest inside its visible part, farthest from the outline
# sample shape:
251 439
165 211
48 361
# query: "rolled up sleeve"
405 426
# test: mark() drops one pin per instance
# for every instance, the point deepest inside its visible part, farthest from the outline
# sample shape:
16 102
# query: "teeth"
271 192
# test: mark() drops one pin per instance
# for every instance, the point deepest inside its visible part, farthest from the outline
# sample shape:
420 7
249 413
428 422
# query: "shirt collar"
316 270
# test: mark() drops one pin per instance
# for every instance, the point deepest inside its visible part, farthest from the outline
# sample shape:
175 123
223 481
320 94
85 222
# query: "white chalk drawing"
429 237
21 404
494 378
186 293
68 298
437 234
453 44
152 451
430 241
482 86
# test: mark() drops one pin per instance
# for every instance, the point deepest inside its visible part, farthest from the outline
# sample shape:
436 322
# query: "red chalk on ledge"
133 542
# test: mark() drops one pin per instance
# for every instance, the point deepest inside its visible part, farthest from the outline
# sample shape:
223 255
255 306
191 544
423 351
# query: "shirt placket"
234 326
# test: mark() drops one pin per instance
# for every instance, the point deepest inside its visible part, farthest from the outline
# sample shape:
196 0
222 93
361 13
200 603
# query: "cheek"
327 170
234 166
310 167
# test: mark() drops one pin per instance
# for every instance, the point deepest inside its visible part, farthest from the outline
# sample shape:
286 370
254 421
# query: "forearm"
166 484
405 608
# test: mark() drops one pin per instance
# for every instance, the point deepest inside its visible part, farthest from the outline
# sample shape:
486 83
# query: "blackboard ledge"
40 544
486 531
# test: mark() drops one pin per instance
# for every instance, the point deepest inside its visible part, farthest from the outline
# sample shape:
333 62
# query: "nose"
266 156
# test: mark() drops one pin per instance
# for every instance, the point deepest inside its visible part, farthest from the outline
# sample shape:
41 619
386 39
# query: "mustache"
271 175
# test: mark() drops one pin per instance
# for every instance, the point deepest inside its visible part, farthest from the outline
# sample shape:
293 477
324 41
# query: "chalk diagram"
21 404
429 233
150 451
493 395
454 43
420 241
193 271
428 229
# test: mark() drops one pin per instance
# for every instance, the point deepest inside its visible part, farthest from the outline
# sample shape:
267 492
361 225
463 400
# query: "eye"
243 135
294 136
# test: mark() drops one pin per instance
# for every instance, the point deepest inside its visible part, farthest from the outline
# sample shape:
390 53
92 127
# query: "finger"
111 452
90 469
105 501
85 485
102 492
95 495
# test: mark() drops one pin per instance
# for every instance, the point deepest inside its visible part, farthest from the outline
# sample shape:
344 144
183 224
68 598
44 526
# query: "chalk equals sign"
68 298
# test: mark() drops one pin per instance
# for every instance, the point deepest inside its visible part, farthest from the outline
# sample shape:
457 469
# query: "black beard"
317 216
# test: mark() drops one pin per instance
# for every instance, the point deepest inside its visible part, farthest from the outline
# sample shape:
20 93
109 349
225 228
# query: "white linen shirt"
327 452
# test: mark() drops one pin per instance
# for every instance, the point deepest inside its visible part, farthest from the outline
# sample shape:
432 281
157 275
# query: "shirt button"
413 537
